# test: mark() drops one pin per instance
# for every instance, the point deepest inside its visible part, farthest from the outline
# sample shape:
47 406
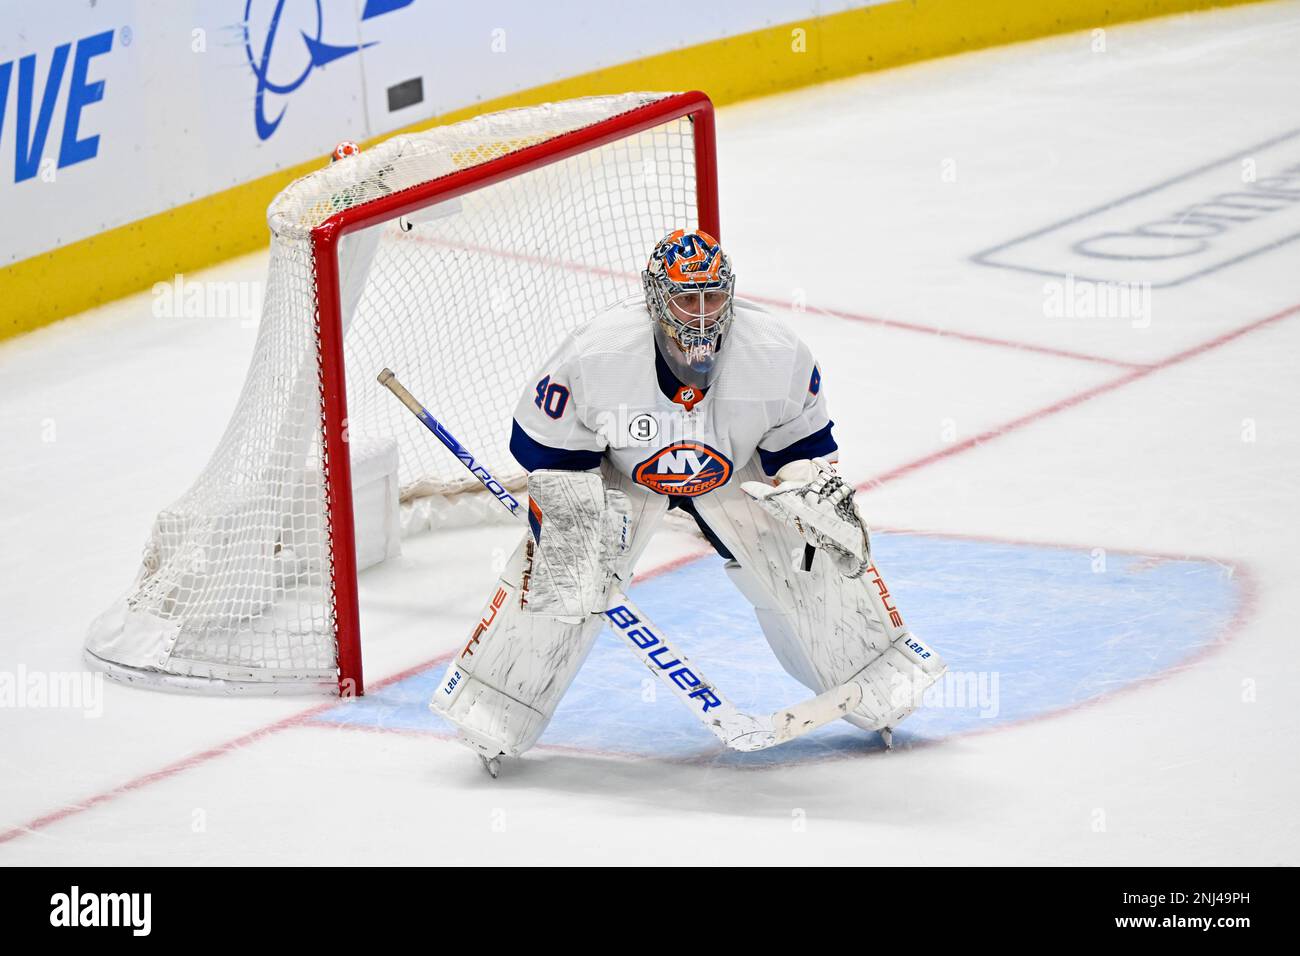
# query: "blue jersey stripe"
532 454
819 444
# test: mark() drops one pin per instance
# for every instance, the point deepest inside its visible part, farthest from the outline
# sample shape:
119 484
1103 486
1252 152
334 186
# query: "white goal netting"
463 298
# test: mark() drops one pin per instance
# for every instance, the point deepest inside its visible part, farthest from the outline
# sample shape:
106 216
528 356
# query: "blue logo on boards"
302 53
34 102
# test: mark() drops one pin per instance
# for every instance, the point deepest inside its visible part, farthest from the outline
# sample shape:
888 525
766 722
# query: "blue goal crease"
1026 630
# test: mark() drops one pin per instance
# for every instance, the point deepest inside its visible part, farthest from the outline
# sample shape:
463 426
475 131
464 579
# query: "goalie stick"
735 728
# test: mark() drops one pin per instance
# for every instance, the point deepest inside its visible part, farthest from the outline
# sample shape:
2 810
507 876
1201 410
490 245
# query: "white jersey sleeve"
805 430
548 430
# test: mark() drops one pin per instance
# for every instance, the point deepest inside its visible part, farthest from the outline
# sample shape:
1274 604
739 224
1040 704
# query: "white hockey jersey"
607 392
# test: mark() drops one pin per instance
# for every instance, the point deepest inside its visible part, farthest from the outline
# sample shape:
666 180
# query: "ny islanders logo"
686 468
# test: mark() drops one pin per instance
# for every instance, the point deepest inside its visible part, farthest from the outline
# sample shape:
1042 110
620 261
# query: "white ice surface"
834 195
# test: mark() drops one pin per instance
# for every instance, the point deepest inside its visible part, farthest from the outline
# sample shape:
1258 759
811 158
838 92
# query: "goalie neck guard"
688 289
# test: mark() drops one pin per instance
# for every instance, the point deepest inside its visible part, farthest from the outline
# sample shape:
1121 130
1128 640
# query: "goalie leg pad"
894 683
824 628
781 631
501 690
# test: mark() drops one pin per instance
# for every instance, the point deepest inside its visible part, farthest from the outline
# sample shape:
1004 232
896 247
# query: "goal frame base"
305 686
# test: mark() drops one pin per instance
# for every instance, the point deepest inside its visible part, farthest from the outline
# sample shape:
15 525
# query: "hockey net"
459 257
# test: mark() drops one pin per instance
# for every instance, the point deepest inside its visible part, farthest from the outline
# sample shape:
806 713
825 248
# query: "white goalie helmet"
689 288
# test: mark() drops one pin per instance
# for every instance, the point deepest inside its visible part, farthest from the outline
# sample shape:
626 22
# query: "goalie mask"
688 290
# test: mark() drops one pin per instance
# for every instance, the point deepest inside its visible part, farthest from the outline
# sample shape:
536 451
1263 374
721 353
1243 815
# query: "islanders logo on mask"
686 468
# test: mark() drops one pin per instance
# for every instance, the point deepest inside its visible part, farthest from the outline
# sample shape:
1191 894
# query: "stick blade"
816 711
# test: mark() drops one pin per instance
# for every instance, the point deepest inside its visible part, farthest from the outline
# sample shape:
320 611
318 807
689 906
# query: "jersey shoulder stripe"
532 454
820 444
